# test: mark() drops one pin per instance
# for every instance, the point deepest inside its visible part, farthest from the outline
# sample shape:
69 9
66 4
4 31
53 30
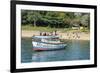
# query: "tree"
85 20
32 17
54 19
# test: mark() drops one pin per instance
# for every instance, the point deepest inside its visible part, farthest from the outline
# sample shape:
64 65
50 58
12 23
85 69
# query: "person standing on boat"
55 32
44 34
40 33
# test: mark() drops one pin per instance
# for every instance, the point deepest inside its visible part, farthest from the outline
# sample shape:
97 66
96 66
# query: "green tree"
54 19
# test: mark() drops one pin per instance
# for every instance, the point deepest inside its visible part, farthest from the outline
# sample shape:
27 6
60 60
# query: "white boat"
47 43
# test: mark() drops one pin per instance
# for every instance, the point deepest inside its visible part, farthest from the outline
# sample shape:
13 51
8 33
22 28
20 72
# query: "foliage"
54 19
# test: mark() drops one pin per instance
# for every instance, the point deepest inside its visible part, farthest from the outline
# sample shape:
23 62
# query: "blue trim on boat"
45 37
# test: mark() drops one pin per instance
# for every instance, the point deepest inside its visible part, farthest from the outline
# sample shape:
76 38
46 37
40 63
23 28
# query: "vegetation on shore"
48 29
49 21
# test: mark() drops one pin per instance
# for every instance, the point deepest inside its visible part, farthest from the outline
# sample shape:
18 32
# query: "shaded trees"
54 19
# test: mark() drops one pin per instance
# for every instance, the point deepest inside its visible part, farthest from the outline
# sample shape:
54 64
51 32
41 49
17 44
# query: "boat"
47 43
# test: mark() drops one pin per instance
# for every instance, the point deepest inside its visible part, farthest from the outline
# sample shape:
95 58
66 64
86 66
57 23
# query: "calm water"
75 50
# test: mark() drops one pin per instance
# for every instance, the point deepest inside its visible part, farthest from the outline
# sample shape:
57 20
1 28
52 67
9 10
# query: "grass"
85 30
31 28
48 29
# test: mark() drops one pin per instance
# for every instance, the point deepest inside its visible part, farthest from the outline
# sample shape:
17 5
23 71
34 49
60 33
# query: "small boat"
47 43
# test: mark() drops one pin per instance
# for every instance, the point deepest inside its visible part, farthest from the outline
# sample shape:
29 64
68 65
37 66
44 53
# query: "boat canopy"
45 37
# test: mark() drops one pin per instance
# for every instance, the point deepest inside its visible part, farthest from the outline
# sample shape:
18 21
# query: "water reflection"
43 56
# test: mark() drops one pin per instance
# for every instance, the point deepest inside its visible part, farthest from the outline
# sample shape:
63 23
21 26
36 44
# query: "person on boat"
44 34
40 33
55 32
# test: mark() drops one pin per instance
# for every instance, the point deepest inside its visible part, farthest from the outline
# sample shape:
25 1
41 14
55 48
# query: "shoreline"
64 36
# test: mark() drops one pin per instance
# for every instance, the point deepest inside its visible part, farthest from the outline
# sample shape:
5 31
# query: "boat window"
36 39
53 39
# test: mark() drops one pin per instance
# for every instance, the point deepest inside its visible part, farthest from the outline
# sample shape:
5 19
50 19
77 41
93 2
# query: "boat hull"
38 46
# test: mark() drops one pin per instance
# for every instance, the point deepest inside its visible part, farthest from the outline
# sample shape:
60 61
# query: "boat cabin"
49 39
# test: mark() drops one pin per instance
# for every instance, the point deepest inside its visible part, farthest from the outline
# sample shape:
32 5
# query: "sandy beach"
63 35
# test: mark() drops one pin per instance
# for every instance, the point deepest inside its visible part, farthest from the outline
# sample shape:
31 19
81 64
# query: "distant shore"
63 35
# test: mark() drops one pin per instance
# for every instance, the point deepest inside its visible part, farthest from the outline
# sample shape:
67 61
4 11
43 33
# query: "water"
75 50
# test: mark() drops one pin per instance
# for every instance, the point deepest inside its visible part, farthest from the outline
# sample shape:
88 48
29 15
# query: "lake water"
75 50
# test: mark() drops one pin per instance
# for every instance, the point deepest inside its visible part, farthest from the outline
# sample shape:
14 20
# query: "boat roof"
45 37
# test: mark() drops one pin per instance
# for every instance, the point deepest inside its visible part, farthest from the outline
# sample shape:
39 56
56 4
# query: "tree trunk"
34 22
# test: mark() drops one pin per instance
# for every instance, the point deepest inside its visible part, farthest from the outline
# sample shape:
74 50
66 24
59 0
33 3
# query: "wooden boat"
47 43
